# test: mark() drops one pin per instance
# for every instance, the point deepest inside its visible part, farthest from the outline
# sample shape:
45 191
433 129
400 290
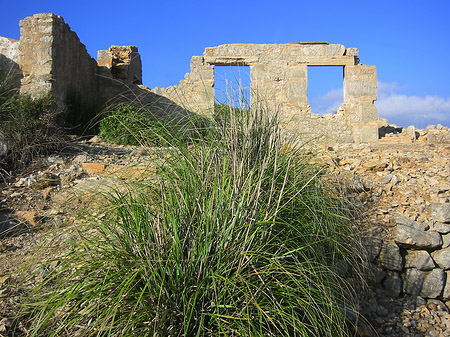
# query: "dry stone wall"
406 190
279 76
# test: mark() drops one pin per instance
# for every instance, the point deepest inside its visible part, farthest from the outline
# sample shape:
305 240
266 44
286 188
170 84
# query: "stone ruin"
279 76
52 59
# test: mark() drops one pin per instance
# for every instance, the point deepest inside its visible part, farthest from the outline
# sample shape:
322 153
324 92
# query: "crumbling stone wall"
279 76
121 62
53 59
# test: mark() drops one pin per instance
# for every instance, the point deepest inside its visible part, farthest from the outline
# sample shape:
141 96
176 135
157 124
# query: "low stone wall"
405 189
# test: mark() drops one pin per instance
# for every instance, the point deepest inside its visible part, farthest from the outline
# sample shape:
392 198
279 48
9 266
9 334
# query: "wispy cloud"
405 110
397 108
328 102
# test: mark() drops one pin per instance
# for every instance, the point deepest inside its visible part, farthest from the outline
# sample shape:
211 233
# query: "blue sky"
408 41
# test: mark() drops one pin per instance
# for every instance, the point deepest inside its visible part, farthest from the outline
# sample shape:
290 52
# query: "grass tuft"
239 235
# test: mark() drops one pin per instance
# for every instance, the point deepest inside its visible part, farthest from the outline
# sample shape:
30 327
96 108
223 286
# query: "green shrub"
238 236
128 126
30 128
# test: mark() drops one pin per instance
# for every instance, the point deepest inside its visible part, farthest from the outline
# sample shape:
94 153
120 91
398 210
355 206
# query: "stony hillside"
403 190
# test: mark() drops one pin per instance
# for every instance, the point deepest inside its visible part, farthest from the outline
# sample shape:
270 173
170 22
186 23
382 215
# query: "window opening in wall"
232 85
325 88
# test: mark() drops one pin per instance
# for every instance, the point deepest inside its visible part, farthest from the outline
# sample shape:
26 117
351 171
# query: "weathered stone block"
409 236
390 257
442 258
440 227
419 259
424 284
440 212
446 293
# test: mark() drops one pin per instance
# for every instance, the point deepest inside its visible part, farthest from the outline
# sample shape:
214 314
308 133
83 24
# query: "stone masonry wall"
279 77
53 59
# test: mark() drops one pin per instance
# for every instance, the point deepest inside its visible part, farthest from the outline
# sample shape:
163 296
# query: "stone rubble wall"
279 77
53 59
406 191
121 62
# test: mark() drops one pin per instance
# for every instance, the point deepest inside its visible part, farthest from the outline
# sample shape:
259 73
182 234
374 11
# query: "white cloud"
328 102
405 110
397 108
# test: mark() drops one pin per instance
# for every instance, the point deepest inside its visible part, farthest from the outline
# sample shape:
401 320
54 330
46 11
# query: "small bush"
30 128
128 126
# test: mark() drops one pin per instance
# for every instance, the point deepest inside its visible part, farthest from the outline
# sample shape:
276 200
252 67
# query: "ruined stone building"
52 59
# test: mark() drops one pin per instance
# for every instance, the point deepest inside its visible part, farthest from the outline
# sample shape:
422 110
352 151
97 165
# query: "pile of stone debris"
402 188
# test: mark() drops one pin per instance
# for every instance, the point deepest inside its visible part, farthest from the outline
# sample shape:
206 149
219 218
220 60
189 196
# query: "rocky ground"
388 179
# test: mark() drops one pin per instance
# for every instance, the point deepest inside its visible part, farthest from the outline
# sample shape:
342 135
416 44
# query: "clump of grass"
238 236
126 125
136 124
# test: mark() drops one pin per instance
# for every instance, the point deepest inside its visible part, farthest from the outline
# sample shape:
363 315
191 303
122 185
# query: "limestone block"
9 48
424 284
445 240
369 113
440 212
365 133
390 257
297 71
412 236
419 259
440 227
360 81
352 52
400 219
372 246
442 258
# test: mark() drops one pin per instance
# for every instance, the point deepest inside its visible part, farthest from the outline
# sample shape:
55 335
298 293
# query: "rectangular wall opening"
325 88
232 85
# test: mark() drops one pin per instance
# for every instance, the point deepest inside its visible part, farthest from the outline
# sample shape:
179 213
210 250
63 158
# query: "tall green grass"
237 236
